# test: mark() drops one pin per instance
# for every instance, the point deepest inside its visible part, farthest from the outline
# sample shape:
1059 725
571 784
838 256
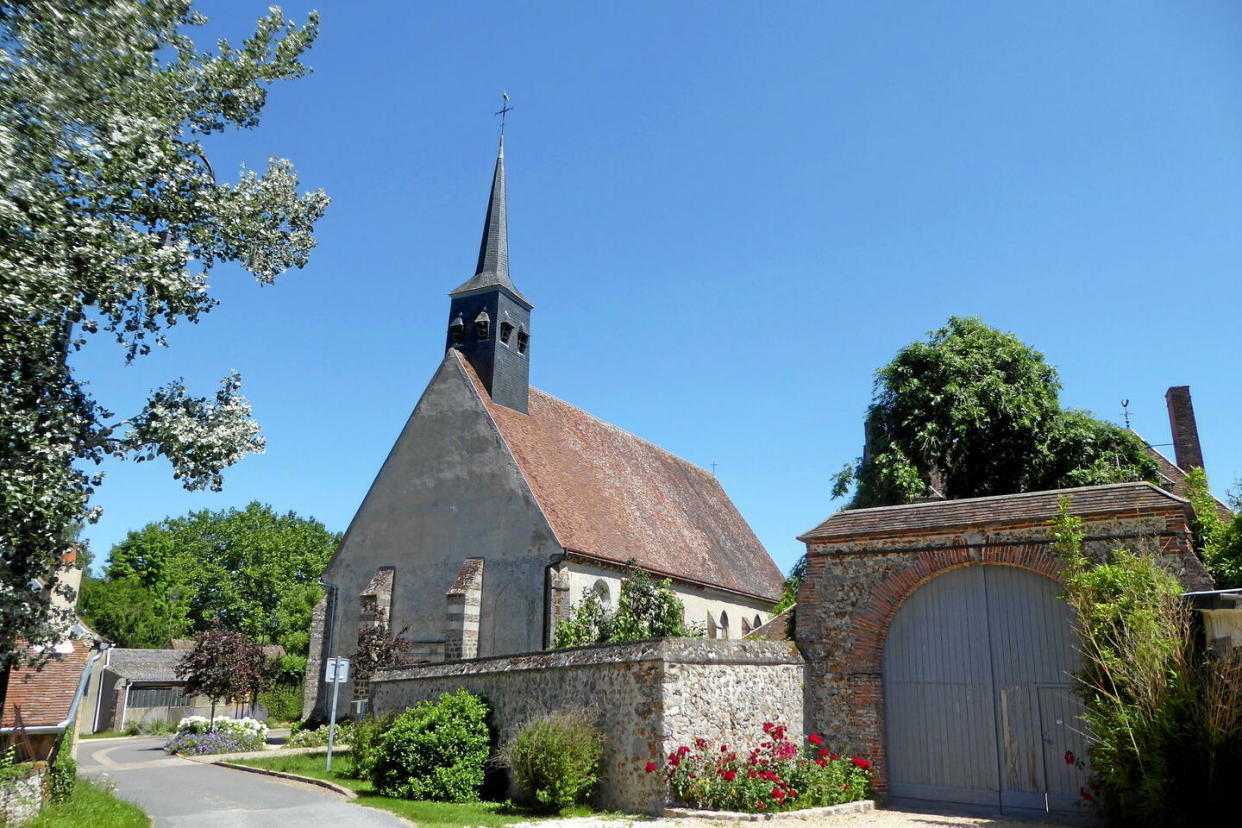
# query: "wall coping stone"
674 650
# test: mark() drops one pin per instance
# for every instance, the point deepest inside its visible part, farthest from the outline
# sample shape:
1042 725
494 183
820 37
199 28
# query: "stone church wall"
649 697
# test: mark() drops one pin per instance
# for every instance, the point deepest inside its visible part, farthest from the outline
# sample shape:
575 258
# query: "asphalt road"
177 792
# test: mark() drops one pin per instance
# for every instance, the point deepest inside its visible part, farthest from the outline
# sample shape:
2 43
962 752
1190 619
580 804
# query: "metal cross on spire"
504 110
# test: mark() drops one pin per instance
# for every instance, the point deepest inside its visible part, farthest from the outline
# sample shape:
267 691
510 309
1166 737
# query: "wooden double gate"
979 701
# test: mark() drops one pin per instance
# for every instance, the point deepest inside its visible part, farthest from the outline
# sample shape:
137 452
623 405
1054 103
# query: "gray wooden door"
979 701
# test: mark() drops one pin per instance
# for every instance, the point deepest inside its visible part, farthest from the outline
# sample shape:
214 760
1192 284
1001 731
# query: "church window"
724 625
758 623
523 340
506 332
602 593
457 330
483 326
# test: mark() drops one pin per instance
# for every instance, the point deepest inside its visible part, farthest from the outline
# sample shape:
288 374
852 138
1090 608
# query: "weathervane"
1125 411
504 110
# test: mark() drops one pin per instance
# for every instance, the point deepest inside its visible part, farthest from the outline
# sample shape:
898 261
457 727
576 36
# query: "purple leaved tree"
223 665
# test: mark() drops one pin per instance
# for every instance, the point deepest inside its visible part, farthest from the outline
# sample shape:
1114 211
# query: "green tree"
222 666
976 412
250 570
1218 534
111 219
126 612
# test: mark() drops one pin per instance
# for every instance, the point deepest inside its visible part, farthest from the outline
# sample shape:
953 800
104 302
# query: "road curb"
323 783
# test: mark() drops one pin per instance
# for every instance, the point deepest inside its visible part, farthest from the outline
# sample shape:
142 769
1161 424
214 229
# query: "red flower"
765 745
861 763
760 805
674 759
792 793
815 739
779 733
729 775
823 763
724 748
752 774
767 727
824 752
1083 793
683 750
833 756
701 744
1069 757
651 766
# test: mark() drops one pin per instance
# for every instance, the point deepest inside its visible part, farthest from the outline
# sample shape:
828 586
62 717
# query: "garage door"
979 703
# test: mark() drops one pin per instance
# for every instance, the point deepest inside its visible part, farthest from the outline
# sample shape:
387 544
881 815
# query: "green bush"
63 774
369 732
646 608
435 750
155 727
318 737
554 759
283 704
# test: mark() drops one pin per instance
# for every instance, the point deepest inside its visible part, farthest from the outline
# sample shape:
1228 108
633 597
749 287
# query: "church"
500 506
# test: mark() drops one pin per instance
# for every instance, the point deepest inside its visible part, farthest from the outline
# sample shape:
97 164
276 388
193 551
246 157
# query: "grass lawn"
426 814
91 805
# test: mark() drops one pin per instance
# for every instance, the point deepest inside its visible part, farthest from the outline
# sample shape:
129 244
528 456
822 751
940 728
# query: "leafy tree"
793 582
646 608
976 412
376 650
111 219
251 570
222 666
126 612
1218 534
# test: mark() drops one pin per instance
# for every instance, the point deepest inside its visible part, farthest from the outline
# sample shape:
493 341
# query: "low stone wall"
21 799
649 697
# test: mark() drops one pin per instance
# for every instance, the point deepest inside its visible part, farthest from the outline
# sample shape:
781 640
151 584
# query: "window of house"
158 697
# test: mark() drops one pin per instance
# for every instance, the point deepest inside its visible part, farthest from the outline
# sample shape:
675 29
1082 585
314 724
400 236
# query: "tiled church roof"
946 514
610 495
44 696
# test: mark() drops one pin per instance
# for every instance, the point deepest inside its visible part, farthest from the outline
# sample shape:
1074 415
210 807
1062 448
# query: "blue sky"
727 215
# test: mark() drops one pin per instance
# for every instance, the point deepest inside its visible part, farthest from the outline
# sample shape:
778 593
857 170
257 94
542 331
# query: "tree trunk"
212 724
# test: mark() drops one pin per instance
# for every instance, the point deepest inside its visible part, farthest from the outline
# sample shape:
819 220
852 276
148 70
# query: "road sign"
336 671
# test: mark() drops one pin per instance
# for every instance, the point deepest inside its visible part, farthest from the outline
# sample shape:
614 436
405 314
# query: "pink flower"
651 766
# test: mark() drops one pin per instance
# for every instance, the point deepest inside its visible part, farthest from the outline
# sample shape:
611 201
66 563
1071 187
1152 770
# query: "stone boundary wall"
648 696
21 799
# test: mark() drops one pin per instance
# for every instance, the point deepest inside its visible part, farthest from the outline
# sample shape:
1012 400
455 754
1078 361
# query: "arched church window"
713 631
457 330
506 332
523 340
602 593
483 326
724 625
758 623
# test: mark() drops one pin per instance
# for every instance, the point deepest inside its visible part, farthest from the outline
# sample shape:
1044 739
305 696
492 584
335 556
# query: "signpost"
336 673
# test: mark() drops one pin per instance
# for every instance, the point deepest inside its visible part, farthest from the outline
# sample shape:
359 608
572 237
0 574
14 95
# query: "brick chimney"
1182 423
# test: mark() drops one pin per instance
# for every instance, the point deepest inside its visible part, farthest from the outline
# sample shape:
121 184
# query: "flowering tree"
222 666
111 218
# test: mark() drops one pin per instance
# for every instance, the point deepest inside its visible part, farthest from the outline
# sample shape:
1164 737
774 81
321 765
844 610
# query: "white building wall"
706 608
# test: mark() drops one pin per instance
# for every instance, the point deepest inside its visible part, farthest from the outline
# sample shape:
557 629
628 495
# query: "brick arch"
889 594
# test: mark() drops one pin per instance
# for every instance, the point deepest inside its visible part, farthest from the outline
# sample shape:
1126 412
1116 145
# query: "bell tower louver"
489 319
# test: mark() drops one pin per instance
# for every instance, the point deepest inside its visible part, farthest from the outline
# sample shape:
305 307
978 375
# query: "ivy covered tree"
111 219
1217 531
973 412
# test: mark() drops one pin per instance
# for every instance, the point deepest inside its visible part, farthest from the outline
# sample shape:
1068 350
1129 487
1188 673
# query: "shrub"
62 777
777 776
318 737
369 732
1165 717
646 608
244 728
554 759
155 727
435 750
283 704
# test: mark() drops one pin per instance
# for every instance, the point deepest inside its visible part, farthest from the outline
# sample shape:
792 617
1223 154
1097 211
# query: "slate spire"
489 320
492 269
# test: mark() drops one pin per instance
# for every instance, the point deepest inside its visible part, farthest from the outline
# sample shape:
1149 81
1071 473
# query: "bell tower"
489 319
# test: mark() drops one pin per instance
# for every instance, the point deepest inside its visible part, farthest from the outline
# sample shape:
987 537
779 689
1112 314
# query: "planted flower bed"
198 736
776 776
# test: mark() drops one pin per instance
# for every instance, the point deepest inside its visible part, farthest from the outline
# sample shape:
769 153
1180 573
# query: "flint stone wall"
648 696
21 799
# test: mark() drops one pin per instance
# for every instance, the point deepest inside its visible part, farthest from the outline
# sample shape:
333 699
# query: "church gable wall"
449 490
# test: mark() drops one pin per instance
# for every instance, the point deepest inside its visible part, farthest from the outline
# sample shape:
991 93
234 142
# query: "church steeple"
489 319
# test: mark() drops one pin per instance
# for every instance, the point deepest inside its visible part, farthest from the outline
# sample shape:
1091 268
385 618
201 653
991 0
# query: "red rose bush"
776 776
